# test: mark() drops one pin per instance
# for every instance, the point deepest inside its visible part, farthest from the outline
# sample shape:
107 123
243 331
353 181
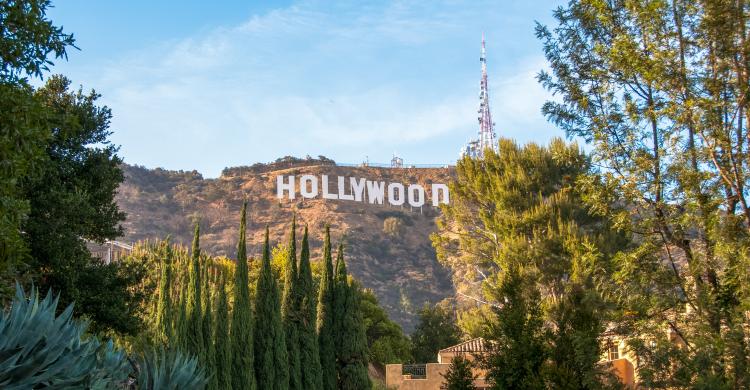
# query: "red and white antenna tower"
476 147
486 126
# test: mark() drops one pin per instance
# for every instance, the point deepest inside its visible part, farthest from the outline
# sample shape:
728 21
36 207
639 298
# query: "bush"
392 226
39 349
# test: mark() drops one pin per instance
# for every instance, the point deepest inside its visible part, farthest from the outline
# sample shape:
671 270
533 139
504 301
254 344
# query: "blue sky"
195 85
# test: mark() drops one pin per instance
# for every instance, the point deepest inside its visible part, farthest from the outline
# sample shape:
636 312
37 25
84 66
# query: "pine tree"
325 323
242 373
221 336
459 375
290 313
518 353
194 326
209 362
351 345
164 310
308 337
268 335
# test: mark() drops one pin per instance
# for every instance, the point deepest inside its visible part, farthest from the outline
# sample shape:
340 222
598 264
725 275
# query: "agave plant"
169 370
41 350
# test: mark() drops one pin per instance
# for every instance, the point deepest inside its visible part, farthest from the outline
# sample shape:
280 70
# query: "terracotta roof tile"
474 345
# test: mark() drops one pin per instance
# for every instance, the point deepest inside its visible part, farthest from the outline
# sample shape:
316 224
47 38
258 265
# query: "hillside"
388 247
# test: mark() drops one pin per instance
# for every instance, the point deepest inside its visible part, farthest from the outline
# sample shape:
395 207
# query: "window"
613 350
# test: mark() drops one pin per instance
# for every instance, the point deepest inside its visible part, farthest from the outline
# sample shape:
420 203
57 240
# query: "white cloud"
298 80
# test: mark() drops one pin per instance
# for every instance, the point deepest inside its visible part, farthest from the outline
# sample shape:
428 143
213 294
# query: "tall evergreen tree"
270 348
222 341
325 322
180 325
209 350
518 352
308 336
164 310
243 372
459 375
195 317
290 313
351 345
435 330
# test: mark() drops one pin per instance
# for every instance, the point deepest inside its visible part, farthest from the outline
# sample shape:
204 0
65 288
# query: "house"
429 376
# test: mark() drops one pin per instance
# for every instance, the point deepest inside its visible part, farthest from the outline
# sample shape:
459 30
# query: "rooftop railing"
416 371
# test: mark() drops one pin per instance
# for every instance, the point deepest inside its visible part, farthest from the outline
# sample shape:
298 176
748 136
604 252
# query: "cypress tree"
181 329
280 351
268 334
351 345
221 336
325 325
194 325
290 313
308 337
209 349
242 373
164 311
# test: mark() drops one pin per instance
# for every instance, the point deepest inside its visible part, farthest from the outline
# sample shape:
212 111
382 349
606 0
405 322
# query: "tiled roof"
474 345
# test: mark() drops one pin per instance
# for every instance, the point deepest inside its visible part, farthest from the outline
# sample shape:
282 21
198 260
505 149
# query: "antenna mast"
486 126
476 147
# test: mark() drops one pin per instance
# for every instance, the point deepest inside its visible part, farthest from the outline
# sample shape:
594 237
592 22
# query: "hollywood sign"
360 190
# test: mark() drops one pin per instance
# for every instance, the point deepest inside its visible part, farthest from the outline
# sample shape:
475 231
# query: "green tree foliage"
222 340
518 352
164 320
325 320
351 340
290 312
195 342
270 347
27 40
242 372
519 229
180 326
207 324
308 336
58 177
435 330
386 341
659 89
459 375
22 139
72 199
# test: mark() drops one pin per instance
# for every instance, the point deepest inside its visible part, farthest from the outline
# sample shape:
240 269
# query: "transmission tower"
475 148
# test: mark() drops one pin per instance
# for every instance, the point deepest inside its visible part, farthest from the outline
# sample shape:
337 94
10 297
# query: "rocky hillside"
388 247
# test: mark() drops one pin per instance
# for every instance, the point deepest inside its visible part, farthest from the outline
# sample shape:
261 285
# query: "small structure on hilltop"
475 148
397 162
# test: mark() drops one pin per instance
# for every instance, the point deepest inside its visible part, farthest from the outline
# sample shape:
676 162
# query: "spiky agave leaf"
169 369
38 348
